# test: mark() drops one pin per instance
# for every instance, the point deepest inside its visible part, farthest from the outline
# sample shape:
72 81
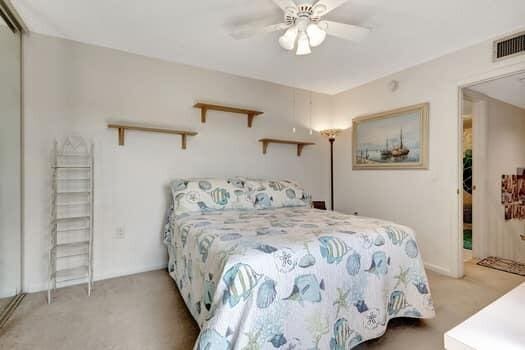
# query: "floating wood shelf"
123 127
300 144
205 107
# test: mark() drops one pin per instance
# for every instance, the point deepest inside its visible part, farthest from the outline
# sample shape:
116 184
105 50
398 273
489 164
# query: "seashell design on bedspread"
293 277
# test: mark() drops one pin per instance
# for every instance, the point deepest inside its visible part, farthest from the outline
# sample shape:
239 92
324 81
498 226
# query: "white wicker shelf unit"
71 229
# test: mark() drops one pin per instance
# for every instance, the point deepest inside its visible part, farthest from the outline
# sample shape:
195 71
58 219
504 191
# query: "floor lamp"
331 134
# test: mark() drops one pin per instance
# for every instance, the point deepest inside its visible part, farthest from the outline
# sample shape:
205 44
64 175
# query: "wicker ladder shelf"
71 229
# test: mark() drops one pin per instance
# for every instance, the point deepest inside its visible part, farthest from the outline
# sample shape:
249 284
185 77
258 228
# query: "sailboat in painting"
401 150
386 152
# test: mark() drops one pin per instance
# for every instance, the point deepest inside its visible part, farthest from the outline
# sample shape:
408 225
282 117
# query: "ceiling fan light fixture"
303 45
304 26
287 41
315 34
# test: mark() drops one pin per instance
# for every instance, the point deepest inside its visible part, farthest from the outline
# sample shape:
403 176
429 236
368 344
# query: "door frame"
498 73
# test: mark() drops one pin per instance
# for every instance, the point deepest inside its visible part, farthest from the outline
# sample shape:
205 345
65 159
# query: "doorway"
493 140
467 154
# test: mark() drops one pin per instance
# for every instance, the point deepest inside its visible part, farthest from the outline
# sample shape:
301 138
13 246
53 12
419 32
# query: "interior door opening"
468 233
493 173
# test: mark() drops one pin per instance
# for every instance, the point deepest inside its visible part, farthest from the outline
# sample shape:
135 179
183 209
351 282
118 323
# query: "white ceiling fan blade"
322 7
250 30
344 31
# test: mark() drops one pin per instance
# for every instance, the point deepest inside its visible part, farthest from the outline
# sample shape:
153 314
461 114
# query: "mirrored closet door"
10 166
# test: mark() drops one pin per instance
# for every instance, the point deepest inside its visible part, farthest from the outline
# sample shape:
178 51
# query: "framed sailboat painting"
396 139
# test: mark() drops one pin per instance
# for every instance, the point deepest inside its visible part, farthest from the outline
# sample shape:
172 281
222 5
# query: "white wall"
426 200
77 88
10 196
73 88
505 153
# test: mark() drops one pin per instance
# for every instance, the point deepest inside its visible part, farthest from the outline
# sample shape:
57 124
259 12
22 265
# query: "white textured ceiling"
404 33
510 89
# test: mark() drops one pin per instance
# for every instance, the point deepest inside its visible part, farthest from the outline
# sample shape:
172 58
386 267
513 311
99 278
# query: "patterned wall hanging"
513 195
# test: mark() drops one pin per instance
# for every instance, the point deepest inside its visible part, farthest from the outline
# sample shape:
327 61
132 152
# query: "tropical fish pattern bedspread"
294 278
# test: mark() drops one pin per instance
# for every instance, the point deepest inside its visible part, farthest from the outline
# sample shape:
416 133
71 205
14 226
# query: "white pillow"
277 194
208 194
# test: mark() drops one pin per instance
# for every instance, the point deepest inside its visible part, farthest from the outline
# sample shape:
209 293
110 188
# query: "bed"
259 269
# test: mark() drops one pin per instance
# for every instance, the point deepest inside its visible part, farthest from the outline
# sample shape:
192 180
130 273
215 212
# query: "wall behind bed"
74 88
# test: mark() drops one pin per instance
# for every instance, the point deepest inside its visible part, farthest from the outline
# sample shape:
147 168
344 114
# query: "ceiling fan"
303 25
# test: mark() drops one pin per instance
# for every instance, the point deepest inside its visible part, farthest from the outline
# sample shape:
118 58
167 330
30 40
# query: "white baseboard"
105 276
439 269
39 287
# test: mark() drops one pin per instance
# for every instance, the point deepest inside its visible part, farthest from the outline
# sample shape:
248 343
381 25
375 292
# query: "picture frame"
394 139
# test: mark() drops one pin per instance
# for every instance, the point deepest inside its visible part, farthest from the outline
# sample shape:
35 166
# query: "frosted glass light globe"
315 34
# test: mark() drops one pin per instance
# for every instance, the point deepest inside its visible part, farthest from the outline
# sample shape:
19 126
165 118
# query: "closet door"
10 165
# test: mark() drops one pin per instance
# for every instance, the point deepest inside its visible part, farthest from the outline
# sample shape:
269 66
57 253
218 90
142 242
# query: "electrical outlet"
120 233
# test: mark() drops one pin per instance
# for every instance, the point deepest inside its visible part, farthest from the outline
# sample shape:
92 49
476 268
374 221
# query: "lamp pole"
331 133
332 140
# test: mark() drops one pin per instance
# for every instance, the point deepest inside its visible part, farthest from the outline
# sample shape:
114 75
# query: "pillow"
201 195
277 194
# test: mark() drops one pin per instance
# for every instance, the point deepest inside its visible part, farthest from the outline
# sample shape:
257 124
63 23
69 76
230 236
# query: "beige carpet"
145 311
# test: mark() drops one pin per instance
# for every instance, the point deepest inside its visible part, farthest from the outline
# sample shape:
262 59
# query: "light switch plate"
120 233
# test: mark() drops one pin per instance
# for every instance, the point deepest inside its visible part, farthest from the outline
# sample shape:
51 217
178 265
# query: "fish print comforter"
294 278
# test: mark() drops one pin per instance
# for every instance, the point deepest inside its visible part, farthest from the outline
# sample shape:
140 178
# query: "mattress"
294 277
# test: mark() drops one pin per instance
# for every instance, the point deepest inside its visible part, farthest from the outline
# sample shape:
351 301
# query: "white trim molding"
42 286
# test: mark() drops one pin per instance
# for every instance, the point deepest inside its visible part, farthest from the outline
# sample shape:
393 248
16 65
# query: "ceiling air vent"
509 46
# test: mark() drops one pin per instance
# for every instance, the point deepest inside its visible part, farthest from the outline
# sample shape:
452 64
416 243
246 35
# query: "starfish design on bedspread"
340 301
402 277
253 340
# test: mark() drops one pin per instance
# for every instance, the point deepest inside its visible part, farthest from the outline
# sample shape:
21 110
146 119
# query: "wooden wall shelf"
123 127
300 144
205 107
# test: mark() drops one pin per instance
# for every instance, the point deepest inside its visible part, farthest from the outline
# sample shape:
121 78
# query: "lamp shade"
287 41
331 133
303 45
315 34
